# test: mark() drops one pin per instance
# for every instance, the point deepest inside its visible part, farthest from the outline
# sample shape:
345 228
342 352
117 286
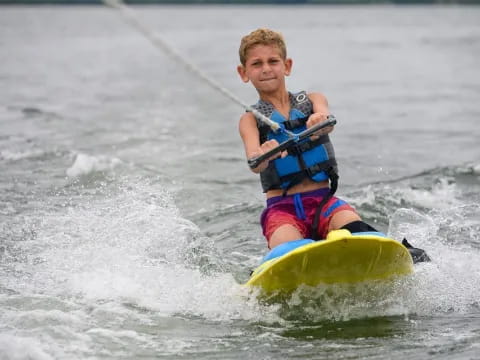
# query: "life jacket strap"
308 172
300 148
292 124
327 166
333 176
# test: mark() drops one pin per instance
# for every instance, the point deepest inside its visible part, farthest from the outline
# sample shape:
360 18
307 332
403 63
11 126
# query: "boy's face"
265 68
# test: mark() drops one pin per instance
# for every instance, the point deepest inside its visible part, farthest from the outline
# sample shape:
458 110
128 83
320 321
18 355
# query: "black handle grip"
254 162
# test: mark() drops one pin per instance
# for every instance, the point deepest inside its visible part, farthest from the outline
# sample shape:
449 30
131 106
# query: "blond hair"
261 37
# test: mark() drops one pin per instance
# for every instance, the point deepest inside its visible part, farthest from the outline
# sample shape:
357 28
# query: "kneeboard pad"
341 258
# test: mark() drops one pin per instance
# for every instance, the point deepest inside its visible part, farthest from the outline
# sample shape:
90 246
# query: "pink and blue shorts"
299 210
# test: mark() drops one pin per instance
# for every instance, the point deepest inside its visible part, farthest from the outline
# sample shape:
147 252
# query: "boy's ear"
288 66
241 71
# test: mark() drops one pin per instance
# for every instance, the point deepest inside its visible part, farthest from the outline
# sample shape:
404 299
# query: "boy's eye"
257 63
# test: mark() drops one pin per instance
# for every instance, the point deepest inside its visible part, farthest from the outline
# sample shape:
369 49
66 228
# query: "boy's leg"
348 221
290 232
418 255
342 218
281 224
283 234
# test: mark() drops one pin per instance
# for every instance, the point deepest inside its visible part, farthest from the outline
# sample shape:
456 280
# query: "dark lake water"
129 217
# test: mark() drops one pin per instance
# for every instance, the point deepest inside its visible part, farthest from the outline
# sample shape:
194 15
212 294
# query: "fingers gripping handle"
254 162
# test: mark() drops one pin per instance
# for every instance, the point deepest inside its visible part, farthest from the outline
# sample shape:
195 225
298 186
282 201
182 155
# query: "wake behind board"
341 258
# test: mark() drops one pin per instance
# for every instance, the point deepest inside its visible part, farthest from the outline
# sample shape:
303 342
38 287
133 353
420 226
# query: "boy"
300 203
299 183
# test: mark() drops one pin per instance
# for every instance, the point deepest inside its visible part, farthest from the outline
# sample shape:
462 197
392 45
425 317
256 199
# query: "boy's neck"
279 99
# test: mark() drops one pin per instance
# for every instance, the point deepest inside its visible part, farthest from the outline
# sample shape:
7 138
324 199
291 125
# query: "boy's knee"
284 233
358 226
342 218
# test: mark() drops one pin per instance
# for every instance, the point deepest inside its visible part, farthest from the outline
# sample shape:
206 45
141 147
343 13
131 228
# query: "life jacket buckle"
315 169
295 150
325 166
293 124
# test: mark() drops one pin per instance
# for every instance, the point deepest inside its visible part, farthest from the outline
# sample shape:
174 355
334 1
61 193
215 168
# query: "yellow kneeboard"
341 258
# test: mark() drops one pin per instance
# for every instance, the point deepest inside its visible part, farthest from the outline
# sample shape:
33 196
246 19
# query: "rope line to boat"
131 18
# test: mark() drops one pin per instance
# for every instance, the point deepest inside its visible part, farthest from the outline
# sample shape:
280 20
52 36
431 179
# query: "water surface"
129 217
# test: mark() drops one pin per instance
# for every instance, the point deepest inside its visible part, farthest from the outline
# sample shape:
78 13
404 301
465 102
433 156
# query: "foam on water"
9 155
470 168
86 164
100 265
123 253
129 248
132 247
438 220
442 195
17 348
126 255
451 282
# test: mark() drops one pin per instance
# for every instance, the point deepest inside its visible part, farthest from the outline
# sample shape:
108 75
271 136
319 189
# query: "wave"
132 248
15 347
11 156
87 164
431 190
32 111
470 168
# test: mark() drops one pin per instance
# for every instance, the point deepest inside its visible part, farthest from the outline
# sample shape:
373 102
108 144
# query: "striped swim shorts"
299 210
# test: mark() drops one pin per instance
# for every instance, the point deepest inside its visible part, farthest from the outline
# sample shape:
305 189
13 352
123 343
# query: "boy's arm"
251 141
320 112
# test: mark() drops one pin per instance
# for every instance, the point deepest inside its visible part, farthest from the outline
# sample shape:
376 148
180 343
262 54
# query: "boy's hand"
318 118
264 148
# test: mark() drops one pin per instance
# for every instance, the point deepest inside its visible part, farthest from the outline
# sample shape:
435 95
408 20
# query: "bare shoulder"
247 120
320 103
247 127
318 98
247 117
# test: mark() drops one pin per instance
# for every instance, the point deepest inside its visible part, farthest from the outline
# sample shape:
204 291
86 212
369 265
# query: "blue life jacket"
314 159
